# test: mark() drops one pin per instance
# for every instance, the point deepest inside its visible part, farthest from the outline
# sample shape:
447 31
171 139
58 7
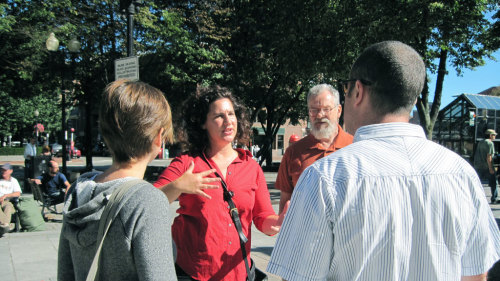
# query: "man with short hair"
326 137
30 149
54 183
483 162
9 189
29 155
392 205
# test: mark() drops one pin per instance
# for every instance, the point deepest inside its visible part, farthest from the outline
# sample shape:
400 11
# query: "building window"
278 142
281 141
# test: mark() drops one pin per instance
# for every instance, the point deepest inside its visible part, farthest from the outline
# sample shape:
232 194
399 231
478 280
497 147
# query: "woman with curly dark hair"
208 245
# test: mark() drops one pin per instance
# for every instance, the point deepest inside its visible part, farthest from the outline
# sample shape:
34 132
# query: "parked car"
56 149
73 153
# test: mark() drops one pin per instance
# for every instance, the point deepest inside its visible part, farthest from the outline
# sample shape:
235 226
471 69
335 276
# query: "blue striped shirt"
391 206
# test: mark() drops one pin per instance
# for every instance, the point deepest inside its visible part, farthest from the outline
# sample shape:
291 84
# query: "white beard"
323 132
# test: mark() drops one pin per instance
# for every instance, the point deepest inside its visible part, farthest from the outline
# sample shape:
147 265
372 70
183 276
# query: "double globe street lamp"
73 47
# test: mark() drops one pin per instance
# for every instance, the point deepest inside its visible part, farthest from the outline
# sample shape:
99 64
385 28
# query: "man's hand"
37 181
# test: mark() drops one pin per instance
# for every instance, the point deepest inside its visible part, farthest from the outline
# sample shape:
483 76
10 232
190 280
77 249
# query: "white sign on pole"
127 68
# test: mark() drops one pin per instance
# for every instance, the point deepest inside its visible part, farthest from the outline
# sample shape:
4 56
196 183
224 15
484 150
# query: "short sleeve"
491 148
304 247
284 179
62 178
483 246
15 186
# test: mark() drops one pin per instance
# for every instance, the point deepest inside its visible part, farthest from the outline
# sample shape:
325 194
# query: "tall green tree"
181 48
22 85
445 33
175 42
278 50
458 36
494 35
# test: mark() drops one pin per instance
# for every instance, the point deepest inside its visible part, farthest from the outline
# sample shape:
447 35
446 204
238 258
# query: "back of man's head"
396 74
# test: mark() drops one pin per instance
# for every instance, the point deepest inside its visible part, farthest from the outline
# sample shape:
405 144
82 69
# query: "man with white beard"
326 137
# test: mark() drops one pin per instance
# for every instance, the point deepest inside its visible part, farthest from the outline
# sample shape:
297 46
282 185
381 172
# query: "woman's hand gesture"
191 183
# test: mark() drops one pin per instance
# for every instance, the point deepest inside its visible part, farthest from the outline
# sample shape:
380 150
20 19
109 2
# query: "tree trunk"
428 118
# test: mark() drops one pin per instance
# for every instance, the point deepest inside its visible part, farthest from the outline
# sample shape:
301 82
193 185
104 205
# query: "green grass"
16 150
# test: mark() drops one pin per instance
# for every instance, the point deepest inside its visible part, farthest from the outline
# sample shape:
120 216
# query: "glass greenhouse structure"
462 123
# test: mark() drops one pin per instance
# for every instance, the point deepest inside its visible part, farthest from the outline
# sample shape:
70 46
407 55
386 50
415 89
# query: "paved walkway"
32 256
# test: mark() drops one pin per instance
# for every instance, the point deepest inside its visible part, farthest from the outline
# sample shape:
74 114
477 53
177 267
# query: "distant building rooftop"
483 101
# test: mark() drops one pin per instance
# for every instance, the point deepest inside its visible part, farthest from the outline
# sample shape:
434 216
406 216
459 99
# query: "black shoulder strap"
235 216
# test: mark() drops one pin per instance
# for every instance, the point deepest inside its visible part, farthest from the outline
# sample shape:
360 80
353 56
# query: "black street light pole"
63 125
130 29
130 7
53 45
35 127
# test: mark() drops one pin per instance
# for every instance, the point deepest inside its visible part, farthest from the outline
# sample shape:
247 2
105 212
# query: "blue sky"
471 81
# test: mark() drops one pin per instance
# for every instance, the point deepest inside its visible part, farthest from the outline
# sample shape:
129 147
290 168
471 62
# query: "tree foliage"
278 50
458 36
268 52
171 57
22 76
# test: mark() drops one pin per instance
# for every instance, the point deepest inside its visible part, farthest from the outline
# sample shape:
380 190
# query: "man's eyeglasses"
344 84
314 111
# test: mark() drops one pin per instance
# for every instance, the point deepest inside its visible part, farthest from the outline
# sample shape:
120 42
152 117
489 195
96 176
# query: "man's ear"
359 93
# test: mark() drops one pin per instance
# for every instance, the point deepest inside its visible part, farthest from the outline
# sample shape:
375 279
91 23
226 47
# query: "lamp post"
73 47
130 7
37 113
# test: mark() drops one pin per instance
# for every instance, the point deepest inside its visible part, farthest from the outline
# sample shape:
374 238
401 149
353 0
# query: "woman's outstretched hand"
272 224
194 183
191 183
282 215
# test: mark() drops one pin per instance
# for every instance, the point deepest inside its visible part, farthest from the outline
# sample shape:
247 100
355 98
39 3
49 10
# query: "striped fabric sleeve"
483 248
304 247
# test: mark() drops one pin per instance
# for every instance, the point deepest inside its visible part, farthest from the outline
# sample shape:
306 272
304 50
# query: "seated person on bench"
9 189
53 183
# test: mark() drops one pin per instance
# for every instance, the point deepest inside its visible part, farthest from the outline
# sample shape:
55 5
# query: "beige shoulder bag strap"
110 212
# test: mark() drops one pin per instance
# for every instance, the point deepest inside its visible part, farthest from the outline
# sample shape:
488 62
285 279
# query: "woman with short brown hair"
134 120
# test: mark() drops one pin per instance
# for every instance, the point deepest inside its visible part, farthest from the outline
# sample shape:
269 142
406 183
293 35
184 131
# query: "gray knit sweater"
138 244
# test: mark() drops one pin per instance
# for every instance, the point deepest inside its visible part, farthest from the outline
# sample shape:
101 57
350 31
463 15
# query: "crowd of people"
374 200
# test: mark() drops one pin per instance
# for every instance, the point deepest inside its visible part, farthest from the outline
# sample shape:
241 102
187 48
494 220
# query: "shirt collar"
243 155
393 129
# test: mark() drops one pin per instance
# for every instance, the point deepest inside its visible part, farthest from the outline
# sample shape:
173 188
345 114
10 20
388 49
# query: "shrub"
8 150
